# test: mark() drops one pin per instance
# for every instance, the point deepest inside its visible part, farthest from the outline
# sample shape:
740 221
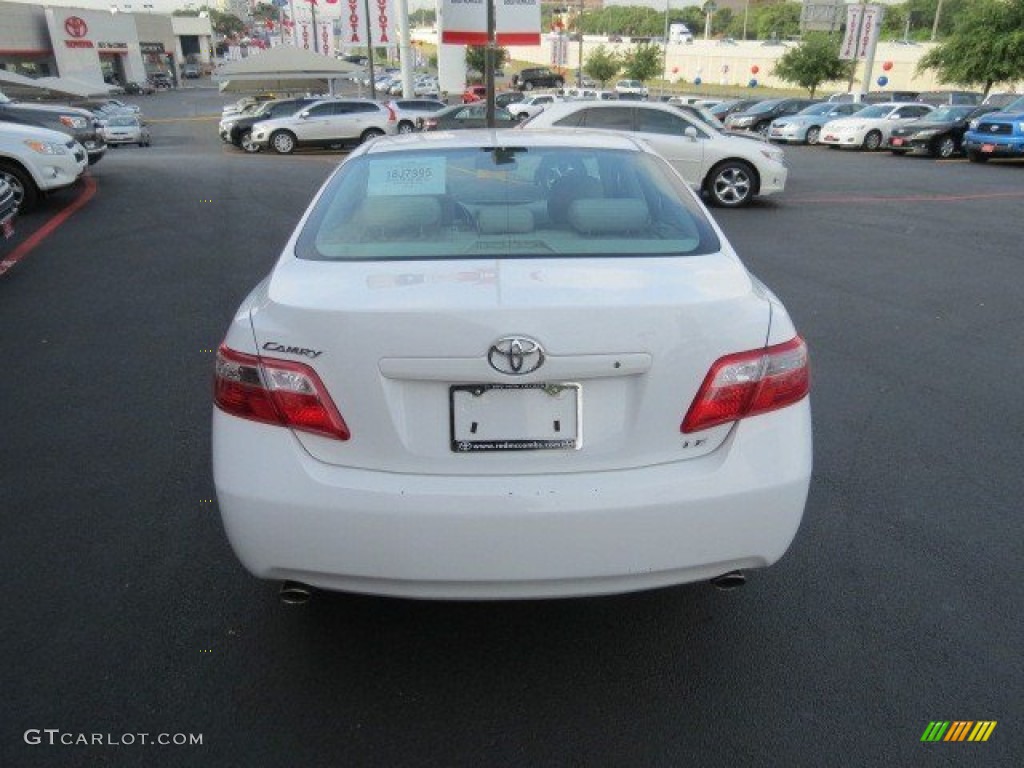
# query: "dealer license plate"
896 142
988 147
515 417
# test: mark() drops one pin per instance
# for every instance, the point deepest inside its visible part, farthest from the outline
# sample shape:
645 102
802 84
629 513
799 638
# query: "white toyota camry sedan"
495 364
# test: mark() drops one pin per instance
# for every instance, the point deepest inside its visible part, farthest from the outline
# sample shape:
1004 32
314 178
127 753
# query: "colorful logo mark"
958 730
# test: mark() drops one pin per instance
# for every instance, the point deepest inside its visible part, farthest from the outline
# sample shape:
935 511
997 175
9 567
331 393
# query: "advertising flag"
382 23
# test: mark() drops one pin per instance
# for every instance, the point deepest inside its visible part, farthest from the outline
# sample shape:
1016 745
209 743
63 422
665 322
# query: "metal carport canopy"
282 68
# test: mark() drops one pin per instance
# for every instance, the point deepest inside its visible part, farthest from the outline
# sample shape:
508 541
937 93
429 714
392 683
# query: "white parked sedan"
870 127
731 169
492 364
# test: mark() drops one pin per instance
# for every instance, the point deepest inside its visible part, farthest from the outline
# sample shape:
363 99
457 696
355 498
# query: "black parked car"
758 118
237 129
939 133
79 124
723 109
465 116
537 77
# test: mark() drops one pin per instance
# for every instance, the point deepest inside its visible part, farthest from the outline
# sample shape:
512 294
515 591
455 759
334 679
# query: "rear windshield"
510 202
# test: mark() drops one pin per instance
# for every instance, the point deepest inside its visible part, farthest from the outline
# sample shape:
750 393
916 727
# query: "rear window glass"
504 202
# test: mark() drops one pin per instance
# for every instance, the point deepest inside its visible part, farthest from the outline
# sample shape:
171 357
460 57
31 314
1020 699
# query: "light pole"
579 43
664 41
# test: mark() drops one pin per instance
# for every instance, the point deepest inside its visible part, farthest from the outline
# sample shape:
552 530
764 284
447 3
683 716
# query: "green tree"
422 18
779 20
985 47
643 63
265 12
476 58
602 65
813 62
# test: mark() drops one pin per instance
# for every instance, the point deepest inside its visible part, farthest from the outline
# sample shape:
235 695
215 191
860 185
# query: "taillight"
280 392
749 383
391 113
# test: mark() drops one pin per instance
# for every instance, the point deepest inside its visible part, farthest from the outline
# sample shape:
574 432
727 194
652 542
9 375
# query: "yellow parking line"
200 119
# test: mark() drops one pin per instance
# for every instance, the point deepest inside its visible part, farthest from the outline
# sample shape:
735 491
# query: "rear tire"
944 147
283 142
370 133
731 184
406 127
872 141
25 190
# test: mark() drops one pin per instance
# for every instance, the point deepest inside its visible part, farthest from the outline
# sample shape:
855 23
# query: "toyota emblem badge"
516 355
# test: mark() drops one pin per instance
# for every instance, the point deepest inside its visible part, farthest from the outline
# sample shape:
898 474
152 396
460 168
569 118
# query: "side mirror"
690 133
304 115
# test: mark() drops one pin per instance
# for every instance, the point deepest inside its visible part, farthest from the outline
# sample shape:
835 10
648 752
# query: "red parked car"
474 93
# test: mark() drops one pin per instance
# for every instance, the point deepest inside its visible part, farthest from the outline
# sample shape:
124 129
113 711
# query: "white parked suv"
327 123
730 169
36 160
532 105
631 88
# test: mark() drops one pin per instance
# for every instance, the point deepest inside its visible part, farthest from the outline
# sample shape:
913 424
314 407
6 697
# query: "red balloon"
887 66
675 70
755 69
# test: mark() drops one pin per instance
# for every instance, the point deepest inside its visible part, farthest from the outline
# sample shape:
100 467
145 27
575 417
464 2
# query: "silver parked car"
328 123
126 129
805 126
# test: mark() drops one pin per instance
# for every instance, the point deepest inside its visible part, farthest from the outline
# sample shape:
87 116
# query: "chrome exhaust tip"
729 581
295 593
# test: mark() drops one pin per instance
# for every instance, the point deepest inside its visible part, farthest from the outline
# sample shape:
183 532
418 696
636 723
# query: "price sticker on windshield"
409 176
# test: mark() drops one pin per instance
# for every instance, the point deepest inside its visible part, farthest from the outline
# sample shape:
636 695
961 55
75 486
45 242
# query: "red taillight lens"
272 391
749 383
391 113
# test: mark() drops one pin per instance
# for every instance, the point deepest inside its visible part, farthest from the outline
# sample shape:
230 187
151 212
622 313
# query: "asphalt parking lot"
899 603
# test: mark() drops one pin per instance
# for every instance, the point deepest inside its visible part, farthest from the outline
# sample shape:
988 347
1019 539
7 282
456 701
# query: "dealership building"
94 45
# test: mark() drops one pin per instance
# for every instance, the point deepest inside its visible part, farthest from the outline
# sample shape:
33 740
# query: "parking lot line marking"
200 119
89 187
907 198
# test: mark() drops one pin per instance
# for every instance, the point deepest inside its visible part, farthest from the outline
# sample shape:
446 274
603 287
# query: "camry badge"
516 355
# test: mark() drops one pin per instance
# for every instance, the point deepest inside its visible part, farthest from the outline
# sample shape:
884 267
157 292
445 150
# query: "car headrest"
400 214
505 220
608 216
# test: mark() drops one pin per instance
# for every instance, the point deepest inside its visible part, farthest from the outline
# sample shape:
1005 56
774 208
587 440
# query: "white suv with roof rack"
36 160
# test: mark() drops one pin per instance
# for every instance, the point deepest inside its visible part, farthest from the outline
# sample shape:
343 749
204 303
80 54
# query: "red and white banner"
516 22
383 24
863 25
303 36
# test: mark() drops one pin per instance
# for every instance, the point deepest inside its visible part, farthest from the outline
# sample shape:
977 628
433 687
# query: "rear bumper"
290 517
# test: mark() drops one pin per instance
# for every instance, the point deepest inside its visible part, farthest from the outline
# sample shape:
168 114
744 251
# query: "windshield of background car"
947 114
514 202
122 122
764 106
874 112
817 109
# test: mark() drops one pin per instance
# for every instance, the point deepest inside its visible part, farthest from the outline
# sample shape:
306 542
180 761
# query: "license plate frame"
515 417
897 141
988 148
